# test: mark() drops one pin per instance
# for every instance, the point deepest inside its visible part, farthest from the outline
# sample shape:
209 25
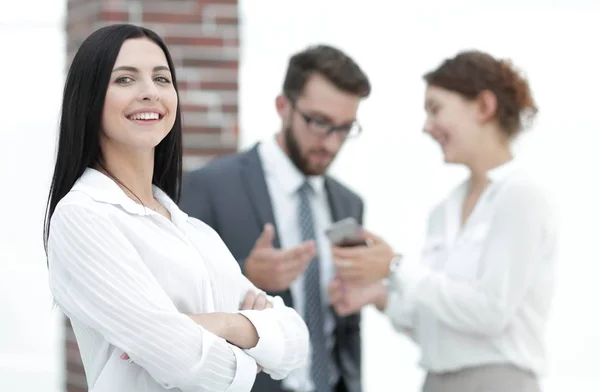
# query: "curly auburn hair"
471 72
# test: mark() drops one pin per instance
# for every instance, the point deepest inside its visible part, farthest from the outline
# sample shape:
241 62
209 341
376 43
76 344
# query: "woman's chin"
449 157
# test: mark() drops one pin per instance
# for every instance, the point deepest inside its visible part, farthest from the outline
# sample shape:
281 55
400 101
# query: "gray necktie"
314 310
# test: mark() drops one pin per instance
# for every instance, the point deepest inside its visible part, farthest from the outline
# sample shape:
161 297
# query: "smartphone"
345 233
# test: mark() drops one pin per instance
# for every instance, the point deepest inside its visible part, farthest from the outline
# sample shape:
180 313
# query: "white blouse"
127 276
482 292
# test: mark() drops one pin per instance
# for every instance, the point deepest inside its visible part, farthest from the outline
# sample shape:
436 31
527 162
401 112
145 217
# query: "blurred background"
231 57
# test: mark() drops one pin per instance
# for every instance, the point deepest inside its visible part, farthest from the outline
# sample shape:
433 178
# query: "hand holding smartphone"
346 233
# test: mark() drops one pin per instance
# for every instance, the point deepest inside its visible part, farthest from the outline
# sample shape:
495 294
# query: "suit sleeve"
361 211
196 197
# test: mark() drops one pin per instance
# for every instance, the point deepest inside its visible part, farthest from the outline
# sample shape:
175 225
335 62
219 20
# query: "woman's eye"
162 79
123 80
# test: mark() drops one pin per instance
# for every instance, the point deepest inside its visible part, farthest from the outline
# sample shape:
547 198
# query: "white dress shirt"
127 276
283 181
481 293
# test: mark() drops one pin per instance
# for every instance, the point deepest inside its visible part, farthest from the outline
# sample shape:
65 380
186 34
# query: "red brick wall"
203 38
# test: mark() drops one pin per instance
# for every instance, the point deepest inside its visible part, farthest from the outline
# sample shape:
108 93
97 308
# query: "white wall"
399 171
31 70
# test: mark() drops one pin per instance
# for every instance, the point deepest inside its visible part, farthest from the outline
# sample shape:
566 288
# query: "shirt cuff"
268 352
399 310
245 371
405 281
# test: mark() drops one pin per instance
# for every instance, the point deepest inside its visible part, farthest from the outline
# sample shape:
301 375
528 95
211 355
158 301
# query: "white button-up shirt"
283 181
127 276
482 292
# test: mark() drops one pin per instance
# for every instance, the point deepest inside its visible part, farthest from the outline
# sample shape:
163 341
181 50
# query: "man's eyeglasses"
325 128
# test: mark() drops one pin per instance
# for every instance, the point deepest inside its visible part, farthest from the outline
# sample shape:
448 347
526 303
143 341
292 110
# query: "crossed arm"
98 278
278 344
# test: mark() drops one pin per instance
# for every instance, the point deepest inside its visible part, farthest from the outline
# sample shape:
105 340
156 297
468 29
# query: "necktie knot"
305 188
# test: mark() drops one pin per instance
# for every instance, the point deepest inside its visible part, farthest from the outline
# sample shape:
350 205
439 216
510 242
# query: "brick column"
203 38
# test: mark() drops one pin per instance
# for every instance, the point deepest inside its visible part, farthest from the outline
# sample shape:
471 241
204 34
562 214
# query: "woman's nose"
150 92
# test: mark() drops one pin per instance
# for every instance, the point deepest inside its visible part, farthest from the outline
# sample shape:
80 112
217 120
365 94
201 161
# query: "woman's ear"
487 105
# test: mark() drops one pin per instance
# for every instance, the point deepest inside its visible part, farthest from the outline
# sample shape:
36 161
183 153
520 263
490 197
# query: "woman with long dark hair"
136 276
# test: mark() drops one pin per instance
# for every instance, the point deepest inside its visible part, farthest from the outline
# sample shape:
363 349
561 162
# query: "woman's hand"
363 265
256 301
351 298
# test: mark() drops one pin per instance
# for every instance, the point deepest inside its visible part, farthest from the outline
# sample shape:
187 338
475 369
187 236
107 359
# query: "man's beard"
300 161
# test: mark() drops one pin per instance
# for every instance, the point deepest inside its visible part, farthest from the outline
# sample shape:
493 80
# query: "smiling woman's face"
452 122
141 101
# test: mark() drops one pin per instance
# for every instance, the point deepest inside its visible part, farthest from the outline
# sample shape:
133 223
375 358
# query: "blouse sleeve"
401 317
283 334
98 278
514 256
283 337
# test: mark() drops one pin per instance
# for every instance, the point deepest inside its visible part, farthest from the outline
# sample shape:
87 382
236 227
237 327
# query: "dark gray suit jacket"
230 194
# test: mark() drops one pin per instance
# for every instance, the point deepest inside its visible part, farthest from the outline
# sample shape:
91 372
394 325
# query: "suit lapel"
253 177
339 211
336 201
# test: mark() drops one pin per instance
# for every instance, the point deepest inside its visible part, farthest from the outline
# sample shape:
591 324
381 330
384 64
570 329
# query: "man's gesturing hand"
274 269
